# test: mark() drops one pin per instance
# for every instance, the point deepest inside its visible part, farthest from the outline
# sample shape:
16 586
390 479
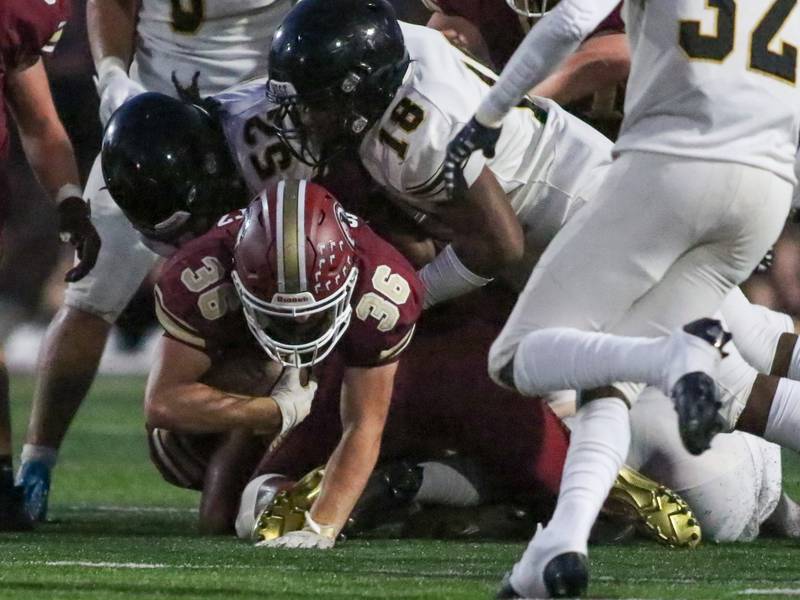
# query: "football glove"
114 86
293 398
75 227
299 539
312 535
474 136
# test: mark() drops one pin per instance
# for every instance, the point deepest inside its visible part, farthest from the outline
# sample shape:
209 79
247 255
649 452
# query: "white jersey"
227 41
261 157
714 85
544 154
709 80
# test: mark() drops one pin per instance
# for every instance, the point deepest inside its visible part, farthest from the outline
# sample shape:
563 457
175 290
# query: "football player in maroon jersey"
310 277
28 29
317 286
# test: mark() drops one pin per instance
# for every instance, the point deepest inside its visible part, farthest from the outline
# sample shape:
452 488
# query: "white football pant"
122 264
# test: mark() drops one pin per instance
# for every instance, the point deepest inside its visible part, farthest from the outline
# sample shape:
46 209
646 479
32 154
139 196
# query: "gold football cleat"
287 511
656 511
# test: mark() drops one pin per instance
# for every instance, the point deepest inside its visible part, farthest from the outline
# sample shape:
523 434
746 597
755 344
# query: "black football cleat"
711 331
388 495
13 516
567 575
696 395
697 403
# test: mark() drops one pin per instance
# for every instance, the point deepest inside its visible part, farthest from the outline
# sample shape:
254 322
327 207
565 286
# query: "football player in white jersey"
136 46
698 191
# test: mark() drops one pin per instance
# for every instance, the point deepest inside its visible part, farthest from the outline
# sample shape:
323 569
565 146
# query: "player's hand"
293 398
114 87
75 227
474 136
299 539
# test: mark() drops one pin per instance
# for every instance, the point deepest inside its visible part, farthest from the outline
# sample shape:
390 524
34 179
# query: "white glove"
292 398
114 86
299 539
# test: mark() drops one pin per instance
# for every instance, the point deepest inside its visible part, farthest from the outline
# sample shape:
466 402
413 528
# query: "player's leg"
76 338
764 337
731 488
646 267
12 510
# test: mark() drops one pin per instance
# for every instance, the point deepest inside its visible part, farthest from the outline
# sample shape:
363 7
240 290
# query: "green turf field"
119 532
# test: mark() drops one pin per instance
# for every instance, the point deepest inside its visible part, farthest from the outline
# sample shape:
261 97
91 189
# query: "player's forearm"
552 39
599 64
346 474
52 159
44 140
111 27
199 408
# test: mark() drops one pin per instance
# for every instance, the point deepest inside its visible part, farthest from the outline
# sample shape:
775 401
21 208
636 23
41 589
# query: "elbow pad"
446 277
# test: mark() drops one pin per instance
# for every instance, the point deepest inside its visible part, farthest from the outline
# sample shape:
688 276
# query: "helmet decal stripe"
301 234
291 237
279 235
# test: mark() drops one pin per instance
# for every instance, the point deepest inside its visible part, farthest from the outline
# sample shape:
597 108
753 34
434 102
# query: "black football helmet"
337 61
166 164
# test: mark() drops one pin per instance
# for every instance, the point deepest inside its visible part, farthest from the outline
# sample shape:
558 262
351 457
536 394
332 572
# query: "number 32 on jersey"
768 56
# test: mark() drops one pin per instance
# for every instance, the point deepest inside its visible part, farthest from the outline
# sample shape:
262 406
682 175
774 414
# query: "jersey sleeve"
406 153
176 310
196 303
386 305
33 27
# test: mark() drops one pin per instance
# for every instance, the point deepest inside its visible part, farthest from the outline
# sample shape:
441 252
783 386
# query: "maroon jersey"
613 23
443 399
500 26
197 304
28 28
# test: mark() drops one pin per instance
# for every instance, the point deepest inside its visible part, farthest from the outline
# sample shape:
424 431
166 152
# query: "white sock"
783 423
42 454
559 358
598 446
756 329
444 484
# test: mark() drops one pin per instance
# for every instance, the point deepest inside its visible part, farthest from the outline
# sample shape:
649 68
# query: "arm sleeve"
552 39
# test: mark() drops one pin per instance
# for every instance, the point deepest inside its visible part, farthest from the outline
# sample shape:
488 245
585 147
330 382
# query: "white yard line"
131 509
101 565
770 592
89 564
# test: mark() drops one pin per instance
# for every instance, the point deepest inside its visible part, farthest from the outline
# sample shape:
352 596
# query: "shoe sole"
697 403
657 512
567 575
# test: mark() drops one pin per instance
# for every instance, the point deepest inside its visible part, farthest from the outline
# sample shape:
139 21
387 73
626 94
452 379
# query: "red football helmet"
295 271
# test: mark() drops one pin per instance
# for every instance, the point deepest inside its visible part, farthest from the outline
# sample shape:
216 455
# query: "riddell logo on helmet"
304 298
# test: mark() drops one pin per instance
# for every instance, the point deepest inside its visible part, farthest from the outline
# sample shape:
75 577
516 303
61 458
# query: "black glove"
472 137
75 227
